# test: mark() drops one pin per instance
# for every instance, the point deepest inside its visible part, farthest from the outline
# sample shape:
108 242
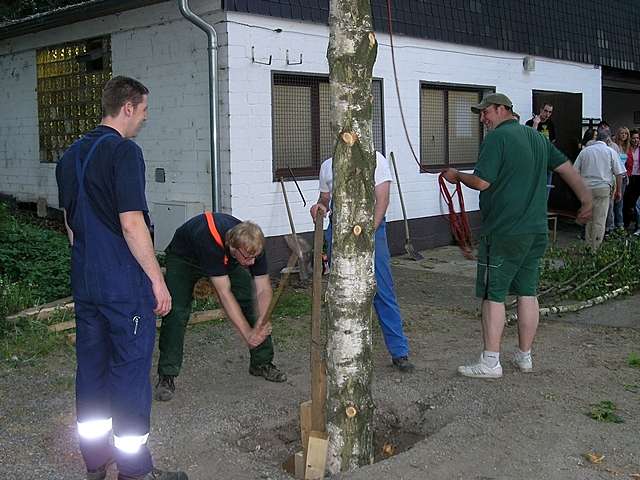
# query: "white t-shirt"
382 173
597 164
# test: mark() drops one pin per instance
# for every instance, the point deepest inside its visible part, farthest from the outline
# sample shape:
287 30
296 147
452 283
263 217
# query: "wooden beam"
299 466
318 364
43 311
305 426
196 317
316 456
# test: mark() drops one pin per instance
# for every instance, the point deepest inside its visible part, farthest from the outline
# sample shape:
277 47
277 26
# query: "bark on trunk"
351 54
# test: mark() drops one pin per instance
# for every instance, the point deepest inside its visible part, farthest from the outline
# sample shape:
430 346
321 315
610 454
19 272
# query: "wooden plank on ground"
45 309
61 327
196 317
316 456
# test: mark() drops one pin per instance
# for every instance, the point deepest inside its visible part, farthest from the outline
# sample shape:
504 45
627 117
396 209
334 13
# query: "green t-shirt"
515 160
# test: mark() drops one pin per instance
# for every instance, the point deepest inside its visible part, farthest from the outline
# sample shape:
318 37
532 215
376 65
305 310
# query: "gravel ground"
226 424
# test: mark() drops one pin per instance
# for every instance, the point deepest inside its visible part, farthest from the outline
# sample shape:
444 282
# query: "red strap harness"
459 221
215 234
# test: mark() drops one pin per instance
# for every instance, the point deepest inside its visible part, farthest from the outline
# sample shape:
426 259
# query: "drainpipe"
212 40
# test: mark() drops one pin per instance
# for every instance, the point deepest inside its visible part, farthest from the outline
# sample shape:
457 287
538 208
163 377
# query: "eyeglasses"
246 258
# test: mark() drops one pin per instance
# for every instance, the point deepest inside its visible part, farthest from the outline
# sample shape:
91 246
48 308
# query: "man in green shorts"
231 253
511 175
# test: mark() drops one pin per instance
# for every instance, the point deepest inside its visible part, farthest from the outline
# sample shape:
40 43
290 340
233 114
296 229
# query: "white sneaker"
481 370
525 364
637 232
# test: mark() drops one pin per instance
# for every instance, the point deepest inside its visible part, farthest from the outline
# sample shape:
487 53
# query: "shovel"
295 240
417 256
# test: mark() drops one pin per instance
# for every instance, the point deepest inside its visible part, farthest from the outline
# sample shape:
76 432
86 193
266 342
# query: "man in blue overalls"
117 285
384 301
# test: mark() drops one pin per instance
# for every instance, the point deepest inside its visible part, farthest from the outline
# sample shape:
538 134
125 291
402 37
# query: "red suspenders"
215 234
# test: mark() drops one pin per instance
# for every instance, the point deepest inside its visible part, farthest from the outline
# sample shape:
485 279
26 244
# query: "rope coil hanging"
459 221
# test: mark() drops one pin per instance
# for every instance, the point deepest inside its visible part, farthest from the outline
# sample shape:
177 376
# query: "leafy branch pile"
576 273
34 264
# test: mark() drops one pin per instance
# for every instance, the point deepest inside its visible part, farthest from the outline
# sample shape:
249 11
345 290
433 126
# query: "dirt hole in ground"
395 432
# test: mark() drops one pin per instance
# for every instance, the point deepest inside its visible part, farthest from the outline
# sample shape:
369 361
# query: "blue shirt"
114 180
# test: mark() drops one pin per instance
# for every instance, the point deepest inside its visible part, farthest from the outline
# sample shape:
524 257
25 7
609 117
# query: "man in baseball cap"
511 175
492 99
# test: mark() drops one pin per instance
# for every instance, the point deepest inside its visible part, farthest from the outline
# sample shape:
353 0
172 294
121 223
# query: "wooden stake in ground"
318 364
351 54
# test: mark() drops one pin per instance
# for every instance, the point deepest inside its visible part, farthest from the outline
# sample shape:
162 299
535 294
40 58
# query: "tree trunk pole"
351 54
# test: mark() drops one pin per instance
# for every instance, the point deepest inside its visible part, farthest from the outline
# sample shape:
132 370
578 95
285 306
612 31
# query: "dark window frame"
293 79
447 87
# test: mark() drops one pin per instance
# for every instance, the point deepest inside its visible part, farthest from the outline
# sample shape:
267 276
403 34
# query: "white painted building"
157 46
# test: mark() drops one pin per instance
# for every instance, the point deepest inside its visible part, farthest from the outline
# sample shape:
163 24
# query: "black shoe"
269 371
156 474
403 364
99 474
165 388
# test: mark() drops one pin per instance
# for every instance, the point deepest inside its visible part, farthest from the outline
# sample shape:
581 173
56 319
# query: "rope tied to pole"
459 221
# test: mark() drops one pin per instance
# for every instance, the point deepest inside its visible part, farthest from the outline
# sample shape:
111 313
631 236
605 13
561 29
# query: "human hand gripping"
163 298
314 210
451 175
258 334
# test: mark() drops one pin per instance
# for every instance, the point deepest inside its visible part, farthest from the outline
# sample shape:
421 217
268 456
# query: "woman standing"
622 139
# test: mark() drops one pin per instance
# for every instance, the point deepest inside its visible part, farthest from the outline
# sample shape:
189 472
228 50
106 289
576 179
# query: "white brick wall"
160 48
256 196
157 46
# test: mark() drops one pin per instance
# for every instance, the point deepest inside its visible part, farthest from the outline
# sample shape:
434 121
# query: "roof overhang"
71 14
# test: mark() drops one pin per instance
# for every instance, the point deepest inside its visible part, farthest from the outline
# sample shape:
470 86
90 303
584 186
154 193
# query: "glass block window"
302 137
71 78
450 134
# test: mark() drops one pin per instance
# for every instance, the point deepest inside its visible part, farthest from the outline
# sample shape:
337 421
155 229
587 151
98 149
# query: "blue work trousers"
115 335
384 301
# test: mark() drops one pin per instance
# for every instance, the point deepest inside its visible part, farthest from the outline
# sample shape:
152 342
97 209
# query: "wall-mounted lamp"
529 63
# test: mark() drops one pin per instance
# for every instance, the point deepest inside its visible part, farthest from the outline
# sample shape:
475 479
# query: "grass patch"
27 341
634 360
604 411
293 304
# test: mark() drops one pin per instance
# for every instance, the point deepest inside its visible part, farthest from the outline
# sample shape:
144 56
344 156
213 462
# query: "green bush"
35 263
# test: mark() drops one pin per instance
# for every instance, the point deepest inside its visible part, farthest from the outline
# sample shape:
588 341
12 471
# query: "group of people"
611 163
119 288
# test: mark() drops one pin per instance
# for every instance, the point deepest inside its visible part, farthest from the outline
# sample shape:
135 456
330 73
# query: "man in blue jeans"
384 301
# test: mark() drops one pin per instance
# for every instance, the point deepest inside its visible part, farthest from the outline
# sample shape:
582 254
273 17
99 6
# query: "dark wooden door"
567 117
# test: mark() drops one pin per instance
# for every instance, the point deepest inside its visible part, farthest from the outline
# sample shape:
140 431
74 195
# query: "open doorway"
567 119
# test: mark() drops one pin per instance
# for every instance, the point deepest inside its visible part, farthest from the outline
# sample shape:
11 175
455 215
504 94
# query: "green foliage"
293 304
27 340
604 411
634 360
566 268
34 264
14 296
207 303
